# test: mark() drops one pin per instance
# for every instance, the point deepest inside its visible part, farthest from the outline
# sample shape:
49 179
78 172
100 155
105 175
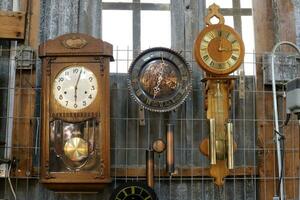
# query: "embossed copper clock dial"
219 49
159 79
133 191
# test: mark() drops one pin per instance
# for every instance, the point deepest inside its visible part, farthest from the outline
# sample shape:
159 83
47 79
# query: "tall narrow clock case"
75 135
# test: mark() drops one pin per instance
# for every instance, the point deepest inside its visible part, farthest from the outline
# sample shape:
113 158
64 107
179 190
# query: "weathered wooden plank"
181 172
265 33
12 25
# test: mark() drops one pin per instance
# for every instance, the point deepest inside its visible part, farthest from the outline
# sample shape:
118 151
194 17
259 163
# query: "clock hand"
156 89
76 84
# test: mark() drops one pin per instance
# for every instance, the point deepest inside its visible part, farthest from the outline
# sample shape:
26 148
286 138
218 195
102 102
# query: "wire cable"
281 138
9 181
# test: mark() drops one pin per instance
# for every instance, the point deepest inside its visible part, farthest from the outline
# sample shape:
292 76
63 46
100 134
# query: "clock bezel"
56 108
163 104
134 184
62 70
209 69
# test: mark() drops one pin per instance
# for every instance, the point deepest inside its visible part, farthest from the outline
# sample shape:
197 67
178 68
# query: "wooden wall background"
255 173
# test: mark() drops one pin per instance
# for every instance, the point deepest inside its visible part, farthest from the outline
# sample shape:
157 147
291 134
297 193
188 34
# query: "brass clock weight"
75 140
159 80
219 51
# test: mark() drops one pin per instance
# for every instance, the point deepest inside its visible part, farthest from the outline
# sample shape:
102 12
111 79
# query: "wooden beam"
265 39
181 172
12 25
25 96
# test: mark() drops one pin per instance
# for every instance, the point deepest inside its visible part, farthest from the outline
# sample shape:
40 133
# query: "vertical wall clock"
159 79
75 112
219 50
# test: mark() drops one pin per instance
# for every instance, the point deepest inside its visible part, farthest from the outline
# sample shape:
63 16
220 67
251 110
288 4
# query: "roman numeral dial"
219 49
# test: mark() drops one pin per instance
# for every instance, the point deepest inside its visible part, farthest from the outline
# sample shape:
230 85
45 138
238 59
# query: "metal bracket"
142 116
241 84
25 57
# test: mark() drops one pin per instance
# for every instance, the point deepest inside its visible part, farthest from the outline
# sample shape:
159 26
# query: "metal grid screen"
255 162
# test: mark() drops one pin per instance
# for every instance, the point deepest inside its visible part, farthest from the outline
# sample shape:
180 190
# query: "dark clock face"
133 191
159 79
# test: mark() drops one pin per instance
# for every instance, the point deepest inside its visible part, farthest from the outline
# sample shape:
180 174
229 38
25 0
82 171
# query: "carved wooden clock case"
75 134
219 50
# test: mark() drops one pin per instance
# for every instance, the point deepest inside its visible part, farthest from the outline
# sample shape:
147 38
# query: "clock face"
133 191
75 87
159 79
219 49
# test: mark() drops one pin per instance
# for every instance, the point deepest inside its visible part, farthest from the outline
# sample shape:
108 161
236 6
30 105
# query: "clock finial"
214 11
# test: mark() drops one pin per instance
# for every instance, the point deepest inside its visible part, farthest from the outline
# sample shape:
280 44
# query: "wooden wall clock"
219 50
75 140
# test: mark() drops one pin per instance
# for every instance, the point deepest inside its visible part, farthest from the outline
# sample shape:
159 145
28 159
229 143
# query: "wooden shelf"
181 172
12 25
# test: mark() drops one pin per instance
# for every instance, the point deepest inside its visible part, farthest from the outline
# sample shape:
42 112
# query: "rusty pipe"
212 142
170 149
230 146
150 167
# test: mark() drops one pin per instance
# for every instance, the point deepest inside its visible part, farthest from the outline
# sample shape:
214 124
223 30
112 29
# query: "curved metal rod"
279 159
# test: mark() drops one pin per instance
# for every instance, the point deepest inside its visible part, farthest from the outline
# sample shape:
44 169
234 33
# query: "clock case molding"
69 50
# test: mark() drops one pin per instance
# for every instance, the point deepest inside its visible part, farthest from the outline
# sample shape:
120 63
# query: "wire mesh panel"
254 175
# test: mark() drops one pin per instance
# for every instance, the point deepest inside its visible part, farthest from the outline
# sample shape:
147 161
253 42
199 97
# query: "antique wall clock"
219 50
159 79
75 140
133 191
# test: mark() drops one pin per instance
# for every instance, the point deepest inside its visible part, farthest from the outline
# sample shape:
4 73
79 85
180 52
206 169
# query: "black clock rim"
121 187
187 89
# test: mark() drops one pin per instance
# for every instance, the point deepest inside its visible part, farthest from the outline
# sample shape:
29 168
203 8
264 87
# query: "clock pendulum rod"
230 145
212 142
170 149
150 167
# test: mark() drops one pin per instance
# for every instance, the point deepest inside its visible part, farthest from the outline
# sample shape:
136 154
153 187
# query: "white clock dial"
75 87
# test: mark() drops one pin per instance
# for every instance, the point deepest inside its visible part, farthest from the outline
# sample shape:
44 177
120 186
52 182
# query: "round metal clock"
159 79
133 191
218 49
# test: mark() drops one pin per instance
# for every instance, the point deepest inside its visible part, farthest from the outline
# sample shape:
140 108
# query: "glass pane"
155 1
246 3
117 30
155 29
221 3
73 146
248 38
119 1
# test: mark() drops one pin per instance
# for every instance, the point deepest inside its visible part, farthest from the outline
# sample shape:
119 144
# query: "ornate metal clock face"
159 79
219 49
75 87
133 191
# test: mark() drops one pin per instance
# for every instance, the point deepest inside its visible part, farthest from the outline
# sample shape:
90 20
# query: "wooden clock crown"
75 44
